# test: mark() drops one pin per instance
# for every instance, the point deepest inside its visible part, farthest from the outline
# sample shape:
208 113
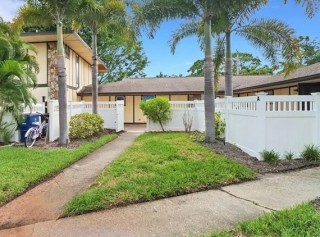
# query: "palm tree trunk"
62 88
94 72
208 85
228 70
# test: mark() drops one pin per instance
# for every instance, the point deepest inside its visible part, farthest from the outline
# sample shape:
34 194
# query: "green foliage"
197 136
158 165
85 125
302 220
247 64
158 110
288 155
270 156
23 168
311 152
219 125
310 50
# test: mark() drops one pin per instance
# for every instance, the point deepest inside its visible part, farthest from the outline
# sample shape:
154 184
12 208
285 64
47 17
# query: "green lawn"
302 220
22 168
158 165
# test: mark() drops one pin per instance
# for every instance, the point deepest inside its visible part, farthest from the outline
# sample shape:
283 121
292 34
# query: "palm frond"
185 30
268 35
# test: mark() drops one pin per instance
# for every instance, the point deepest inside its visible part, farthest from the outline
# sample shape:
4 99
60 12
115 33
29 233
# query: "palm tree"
17 74
98 16
272 36
208 13
48 13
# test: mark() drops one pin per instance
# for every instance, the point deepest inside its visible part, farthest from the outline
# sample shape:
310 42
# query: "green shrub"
158 110
270 156
197 136
85 125
288 155
219 125
311 152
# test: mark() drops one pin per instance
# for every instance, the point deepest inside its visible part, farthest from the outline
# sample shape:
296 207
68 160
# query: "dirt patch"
74 143
316 203
260 167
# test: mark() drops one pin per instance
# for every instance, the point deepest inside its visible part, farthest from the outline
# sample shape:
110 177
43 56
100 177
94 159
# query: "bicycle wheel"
43 133
30 140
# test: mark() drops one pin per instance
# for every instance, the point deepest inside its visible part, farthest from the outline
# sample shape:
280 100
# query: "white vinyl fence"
111 112
282 123
257 123
192 111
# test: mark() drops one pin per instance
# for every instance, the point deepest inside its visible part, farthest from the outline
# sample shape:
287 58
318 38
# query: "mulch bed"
260 167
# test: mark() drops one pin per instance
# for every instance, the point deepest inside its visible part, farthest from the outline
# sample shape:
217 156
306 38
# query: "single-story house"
133 91
303 81
78 64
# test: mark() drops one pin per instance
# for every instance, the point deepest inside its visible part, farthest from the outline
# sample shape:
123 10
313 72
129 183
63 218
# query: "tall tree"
272 36
247 64
310 50
47 13
97 16
207 12
123 56
17 72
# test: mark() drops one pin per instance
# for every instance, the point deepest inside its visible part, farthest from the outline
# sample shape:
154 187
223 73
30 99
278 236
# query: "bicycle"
38 131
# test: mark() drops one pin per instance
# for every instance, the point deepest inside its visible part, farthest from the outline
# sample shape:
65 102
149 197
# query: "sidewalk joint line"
247 200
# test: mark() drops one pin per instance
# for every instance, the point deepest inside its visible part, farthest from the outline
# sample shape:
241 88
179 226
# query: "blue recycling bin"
29 121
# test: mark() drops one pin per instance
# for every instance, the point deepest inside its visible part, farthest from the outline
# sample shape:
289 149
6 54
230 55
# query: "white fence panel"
53 109
113 119
193 110
282 123
34 108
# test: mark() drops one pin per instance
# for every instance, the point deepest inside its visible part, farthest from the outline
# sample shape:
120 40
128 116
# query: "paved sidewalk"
46 201
188 214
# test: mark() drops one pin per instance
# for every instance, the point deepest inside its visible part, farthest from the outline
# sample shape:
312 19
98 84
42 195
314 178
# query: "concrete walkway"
189 214
46 201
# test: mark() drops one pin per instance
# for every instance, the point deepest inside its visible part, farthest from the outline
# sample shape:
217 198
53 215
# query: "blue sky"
158 50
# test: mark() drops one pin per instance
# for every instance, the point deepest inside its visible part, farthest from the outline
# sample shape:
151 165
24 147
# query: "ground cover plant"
22 168
302 220
158 165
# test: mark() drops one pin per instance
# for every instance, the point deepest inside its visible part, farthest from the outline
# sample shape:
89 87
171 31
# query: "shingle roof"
150 85
196 84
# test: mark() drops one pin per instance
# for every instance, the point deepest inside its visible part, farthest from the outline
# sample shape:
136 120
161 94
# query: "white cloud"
9 9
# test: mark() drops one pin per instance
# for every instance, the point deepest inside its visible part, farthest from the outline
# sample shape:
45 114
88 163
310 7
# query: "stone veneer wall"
52 71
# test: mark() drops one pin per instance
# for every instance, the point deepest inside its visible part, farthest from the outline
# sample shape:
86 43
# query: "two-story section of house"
78 57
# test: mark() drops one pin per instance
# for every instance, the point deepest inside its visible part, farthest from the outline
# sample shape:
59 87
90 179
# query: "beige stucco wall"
179 98
42 77
39 92
138 114
128 110
283 91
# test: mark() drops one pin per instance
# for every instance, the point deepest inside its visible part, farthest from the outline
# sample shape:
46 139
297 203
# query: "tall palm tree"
17 73
272 36
48 13
208 12
98 16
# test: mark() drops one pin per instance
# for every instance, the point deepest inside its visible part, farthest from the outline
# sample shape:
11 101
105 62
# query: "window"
77 71
147 97
121 97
